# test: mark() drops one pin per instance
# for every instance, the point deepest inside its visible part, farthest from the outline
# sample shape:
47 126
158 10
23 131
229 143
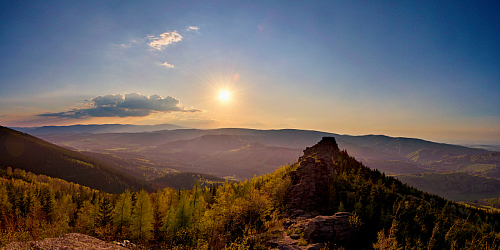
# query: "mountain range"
238 154
392 155
96 128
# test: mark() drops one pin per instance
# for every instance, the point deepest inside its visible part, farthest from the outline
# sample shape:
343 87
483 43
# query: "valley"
237 154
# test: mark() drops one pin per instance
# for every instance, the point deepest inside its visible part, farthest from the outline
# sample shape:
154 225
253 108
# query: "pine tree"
105 212
388 242
47 202
142 217
341 207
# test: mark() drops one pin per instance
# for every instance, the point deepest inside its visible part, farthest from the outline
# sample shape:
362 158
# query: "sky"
421 69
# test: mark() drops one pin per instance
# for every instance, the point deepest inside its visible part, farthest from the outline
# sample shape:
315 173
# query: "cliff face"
310 182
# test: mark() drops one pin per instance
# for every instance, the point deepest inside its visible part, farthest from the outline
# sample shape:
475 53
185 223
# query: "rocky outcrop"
311 180
67 241
308 196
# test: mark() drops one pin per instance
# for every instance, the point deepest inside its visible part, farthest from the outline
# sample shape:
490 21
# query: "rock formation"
308 196
311 180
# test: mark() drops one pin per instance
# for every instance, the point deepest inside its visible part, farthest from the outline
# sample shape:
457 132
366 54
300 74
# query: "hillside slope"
488 163
23 151
456 186
238 157
187 180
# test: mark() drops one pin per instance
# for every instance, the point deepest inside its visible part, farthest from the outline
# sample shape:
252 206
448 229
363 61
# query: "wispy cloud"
168 65
193 28
133 104
164 39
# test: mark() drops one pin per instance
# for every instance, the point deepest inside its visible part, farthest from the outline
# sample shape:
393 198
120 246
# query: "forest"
242 215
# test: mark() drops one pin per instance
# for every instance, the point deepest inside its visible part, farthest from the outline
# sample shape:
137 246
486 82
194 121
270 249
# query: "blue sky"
427 69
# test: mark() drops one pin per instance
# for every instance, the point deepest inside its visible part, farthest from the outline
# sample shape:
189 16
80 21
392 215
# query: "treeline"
397 216
34 207
187 180
240 215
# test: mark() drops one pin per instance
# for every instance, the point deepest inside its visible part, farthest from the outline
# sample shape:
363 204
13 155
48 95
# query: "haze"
428 69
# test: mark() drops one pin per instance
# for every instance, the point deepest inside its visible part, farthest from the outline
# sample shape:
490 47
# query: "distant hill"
135 165
395 167
207 144
486 163
457 186
187 180
415 150
393 155
23 151
96 128
238 157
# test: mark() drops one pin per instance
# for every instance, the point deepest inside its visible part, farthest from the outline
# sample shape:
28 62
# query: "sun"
224 95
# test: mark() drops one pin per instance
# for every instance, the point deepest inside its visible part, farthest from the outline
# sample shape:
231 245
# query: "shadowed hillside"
23 151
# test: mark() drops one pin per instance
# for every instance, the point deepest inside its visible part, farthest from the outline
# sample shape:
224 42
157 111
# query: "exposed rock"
288 247
326 149
308 196
320 229
340 228
67 241
311 180
345 228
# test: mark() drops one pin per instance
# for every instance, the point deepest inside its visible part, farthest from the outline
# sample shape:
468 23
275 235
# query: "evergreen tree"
341 207
47 202
142 217
105 212
122 212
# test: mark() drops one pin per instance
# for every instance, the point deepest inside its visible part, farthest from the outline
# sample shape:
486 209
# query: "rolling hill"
233 157
96 128
193 150
456 186
23 151
486 164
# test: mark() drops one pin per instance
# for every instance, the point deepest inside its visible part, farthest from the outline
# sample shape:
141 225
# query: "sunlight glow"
224 95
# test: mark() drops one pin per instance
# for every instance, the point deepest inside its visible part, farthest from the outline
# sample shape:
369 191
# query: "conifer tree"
142 217
47 202
105 212
122 212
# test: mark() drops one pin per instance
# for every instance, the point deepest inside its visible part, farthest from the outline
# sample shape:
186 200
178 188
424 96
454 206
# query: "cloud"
168 65
193 28
164 39
129 105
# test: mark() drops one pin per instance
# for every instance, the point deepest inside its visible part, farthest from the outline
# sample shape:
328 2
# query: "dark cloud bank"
132 104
